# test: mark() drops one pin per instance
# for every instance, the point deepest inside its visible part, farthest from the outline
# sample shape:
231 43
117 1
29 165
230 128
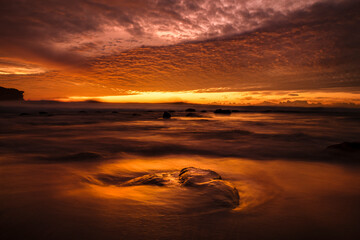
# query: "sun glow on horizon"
231 98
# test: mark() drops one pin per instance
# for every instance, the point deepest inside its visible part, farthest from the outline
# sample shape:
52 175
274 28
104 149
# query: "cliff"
11 94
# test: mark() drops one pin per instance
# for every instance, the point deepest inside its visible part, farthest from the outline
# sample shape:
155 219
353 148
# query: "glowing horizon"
231 98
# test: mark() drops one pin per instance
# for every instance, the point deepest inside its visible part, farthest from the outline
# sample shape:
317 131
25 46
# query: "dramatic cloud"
60 30
312 49
128 47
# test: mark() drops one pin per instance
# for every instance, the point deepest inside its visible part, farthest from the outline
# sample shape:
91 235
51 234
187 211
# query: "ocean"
66 169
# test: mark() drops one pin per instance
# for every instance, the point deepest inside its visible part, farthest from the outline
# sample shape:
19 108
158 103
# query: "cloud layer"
60 30
229 45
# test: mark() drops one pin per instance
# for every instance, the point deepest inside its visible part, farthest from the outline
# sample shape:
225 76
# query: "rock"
157 179
114 112
207 187
219 193
166 115
345 147
220 111
193 115
190 110
11 94
193 176
203 111
136 115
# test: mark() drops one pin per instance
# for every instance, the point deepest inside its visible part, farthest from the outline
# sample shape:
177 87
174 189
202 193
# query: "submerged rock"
191 176
345 147
206 186
221 111
344 152
157 179
166 115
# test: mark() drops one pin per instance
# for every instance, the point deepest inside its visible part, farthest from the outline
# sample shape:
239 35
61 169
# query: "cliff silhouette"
11 94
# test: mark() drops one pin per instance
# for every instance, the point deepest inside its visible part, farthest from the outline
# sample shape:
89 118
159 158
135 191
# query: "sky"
232 52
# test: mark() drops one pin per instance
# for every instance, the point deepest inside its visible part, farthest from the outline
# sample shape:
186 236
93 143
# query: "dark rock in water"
203 111
157 179
345 147
136 115
235 111
193 176
114 112
193 115
221 111
190 110
207 186
221 193
166 115
11 94
108 179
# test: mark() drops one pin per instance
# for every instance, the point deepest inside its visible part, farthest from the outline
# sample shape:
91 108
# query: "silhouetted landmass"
190 110
11 94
